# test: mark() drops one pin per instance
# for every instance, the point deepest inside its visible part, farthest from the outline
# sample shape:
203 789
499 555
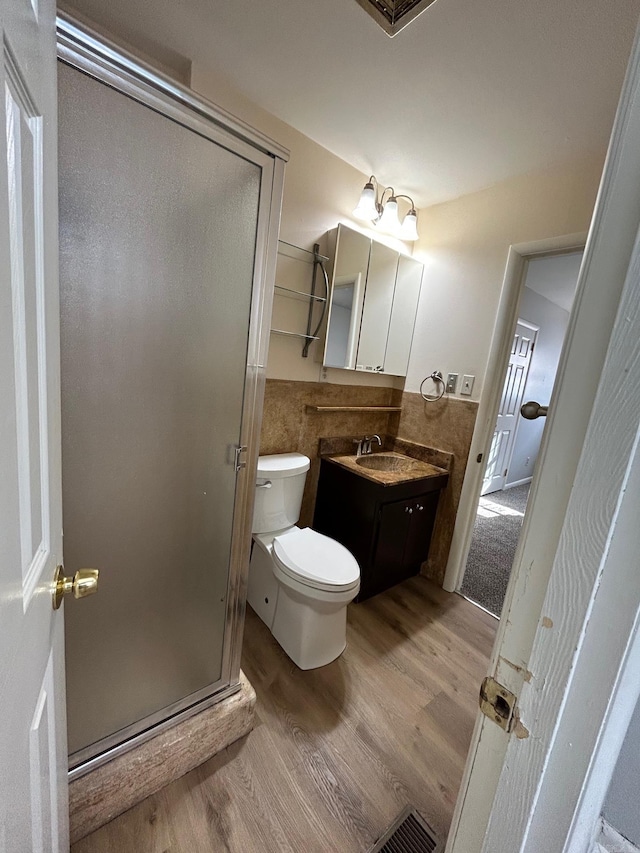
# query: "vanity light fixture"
384 214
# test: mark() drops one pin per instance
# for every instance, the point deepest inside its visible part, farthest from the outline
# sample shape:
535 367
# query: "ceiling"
470 93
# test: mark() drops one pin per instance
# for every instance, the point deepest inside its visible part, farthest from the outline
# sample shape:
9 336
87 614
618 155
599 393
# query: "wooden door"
504 434
527 790
33 755
416 548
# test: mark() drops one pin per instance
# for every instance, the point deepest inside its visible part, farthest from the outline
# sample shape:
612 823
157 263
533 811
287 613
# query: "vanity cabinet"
387 528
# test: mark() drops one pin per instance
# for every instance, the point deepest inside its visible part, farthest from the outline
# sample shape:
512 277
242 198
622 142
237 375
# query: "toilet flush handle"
266 485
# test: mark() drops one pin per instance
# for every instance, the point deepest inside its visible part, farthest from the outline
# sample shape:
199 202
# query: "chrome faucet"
364 444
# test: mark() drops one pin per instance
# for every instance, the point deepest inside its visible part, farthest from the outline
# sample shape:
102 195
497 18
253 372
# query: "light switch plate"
452 383
467 385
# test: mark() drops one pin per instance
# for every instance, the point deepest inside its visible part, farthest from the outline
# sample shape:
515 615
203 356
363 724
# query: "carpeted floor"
495 537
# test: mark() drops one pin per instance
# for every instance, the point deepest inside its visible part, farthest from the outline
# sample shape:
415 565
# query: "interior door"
497 798
504 434
33 788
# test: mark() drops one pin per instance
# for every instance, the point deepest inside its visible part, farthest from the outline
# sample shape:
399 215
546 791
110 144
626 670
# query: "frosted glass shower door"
158 236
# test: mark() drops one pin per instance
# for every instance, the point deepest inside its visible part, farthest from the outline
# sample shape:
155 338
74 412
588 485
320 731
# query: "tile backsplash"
443 426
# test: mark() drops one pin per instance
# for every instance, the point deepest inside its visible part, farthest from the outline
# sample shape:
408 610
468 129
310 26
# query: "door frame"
91 53
518 258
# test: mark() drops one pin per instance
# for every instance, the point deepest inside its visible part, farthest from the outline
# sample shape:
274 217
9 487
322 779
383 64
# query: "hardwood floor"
337 752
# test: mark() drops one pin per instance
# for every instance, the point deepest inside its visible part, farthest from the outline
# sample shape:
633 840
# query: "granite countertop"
418 470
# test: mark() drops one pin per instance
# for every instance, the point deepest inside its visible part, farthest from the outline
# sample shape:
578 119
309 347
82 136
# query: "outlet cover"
452 383
467 385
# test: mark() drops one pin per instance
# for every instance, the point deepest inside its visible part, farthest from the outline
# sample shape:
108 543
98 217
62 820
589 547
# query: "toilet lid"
316 560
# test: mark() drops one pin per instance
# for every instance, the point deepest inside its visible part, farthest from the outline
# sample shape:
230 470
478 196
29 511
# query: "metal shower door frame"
94 55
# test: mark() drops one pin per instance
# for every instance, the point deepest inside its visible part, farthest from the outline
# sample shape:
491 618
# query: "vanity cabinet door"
387 567
418 539
402 542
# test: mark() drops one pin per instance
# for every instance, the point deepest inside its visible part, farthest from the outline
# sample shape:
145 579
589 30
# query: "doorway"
545 304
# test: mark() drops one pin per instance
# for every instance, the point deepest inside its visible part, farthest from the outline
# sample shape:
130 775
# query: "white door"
495 475
508 800
33 755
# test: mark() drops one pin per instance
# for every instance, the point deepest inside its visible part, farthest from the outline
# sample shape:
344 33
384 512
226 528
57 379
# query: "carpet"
495 537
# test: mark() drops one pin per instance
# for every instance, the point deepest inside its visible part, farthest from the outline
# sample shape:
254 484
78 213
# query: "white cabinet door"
376 313
403 315
33 755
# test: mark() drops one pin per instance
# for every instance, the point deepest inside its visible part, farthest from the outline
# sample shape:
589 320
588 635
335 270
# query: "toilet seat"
315 560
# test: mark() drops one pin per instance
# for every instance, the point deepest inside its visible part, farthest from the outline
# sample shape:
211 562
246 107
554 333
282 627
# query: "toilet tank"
278 505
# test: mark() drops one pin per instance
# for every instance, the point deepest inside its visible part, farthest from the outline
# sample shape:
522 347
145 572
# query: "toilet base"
313 633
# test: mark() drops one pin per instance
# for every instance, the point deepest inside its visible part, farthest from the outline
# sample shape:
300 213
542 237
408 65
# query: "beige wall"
464 245
320 190
464 242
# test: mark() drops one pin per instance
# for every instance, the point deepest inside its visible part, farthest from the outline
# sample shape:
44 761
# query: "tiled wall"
287 426
447 425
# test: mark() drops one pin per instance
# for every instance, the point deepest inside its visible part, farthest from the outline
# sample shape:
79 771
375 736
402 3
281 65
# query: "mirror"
347 294
376 312
373 305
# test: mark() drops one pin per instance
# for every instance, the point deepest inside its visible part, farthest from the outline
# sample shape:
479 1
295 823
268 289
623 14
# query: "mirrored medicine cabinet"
373 305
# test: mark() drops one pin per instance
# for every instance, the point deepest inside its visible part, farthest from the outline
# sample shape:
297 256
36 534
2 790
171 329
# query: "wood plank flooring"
337 752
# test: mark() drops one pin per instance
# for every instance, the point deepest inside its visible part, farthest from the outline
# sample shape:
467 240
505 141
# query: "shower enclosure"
168 233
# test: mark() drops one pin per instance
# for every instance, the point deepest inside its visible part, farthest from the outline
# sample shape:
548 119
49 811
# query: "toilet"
300 581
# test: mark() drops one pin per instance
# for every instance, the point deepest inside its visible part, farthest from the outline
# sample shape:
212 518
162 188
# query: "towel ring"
436 376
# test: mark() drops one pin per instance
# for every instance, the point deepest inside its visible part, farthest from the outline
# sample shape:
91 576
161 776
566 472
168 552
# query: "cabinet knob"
420 507
410 510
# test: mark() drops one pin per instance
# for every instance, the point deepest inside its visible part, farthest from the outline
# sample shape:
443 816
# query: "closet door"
158 231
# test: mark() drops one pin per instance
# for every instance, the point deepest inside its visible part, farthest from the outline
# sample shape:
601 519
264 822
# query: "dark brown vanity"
381 507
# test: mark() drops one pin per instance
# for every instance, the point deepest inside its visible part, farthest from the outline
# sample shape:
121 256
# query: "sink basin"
385 462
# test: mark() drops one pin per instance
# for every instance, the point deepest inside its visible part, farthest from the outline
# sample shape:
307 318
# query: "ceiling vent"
394 15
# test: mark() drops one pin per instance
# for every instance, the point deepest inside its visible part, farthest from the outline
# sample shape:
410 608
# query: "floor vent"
409 833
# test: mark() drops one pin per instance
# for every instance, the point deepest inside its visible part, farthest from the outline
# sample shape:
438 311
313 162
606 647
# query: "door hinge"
498 703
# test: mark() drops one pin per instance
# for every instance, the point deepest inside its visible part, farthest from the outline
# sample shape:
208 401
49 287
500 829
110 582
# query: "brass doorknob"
83 583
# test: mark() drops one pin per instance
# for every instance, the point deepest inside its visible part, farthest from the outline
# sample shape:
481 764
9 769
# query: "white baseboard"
609 840
517 483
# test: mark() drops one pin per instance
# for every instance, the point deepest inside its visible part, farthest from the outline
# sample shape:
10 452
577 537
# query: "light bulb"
366 208
389 221
409 230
